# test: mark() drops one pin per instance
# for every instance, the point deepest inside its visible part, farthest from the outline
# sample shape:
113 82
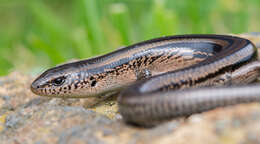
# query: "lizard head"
66 81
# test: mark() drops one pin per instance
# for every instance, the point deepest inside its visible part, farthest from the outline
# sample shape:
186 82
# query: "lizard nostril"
35 86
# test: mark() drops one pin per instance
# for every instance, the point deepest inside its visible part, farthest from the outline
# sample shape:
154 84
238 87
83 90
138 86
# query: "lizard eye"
58 81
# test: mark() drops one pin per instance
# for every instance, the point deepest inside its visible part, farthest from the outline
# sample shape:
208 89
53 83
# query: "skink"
153 76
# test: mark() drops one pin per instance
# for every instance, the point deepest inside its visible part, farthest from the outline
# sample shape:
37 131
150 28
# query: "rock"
28 118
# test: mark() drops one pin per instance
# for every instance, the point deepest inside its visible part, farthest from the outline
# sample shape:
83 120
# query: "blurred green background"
37 34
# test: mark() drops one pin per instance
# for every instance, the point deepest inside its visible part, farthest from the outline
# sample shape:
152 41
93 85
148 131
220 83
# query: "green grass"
37 34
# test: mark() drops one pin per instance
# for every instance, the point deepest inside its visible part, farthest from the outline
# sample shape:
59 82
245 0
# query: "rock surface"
27 118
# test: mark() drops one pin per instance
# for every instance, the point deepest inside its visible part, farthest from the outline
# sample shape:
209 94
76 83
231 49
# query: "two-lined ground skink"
148 71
